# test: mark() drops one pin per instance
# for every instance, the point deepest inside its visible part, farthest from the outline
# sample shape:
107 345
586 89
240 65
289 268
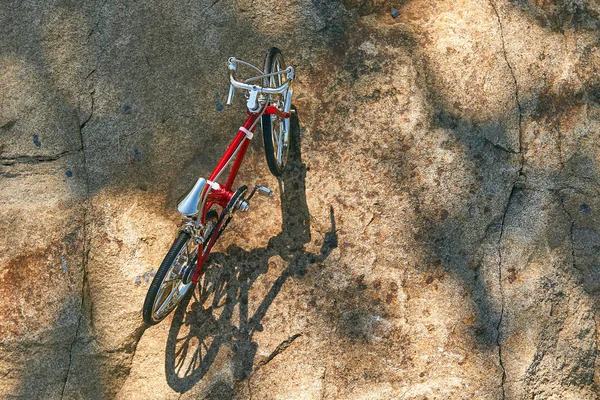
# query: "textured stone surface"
436 235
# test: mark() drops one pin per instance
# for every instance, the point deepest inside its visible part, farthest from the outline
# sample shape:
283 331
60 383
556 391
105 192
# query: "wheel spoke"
163 289
276 132
286 136
279 155
170 279
164 305
167 288
279 146
277 69
274 135
172 275
282 132
171 284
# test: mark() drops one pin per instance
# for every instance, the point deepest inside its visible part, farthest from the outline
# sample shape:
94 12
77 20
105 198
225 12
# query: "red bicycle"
210 205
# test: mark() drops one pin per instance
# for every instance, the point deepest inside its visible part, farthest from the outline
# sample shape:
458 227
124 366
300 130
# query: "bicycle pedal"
265 191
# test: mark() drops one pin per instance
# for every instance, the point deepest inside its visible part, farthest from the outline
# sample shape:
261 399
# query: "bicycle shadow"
204 321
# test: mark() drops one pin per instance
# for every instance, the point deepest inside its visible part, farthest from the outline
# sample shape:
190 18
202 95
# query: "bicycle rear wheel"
168 286
276 130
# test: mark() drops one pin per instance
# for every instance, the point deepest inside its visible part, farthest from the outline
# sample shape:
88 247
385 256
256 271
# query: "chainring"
230 209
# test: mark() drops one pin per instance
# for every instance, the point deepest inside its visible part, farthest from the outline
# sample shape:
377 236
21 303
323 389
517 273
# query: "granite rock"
435 234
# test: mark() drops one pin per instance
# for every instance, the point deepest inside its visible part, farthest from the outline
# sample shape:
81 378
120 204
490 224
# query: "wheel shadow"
207 319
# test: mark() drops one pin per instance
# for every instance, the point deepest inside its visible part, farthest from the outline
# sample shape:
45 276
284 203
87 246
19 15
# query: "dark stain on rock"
392 294
584 208
512 274
68 173
218 105
360 283
7 126
127 109
36 141
390 297
444 215
551 106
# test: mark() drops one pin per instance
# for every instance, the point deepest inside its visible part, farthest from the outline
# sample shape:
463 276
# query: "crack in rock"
209 7
502 148
84 123
499 325
87 210
514 78
29 159
513 189
279 349
82 302
98 19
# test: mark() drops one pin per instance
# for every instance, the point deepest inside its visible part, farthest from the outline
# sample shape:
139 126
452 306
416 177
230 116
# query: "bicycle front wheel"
276 130
167 288
169 285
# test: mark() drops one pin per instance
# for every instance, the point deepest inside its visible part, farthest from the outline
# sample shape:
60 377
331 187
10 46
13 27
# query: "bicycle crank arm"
265 191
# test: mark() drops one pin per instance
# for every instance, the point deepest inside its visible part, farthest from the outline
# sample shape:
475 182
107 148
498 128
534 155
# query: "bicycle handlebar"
255 90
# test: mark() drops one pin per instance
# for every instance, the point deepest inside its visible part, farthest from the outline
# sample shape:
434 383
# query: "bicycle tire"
151 313
276 131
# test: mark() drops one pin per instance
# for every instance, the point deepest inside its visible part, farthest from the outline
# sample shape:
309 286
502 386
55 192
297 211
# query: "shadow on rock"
206 320
561 15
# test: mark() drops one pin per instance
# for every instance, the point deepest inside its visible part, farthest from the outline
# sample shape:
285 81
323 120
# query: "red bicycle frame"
223 194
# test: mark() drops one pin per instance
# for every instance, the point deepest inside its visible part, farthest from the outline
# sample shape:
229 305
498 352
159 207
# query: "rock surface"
435 236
